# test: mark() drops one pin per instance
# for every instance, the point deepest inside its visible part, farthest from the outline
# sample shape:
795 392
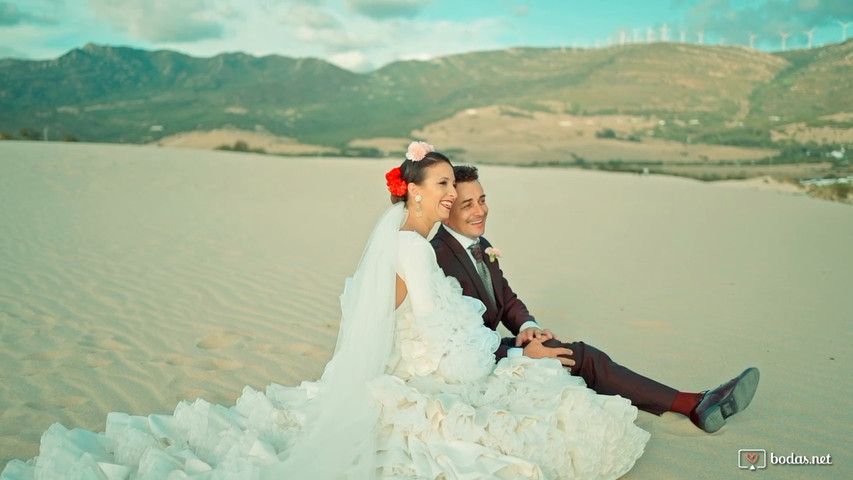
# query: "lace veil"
338 440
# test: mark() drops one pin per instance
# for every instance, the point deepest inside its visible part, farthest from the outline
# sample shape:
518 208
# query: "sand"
134 277
254 140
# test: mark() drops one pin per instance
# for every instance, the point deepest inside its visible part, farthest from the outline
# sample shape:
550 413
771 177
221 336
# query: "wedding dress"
411 392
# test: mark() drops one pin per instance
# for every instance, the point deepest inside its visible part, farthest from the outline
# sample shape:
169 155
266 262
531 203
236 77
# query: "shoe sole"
736 401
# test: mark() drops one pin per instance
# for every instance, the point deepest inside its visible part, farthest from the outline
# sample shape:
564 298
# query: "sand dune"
135 277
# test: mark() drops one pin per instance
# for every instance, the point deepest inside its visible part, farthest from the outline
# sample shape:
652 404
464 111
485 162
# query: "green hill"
117 94
816 83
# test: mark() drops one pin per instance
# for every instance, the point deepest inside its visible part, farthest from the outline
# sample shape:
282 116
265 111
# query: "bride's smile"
430 200
413 390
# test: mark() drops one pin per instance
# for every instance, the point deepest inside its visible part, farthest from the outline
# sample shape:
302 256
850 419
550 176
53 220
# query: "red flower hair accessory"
396 185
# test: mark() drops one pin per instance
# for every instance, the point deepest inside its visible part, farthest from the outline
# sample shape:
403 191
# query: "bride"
412 390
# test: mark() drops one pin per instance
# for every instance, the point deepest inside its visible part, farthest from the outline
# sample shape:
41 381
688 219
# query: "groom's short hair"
465 173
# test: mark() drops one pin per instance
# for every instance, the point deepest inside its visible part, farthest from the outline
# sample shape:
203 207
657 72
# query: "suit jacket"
454 260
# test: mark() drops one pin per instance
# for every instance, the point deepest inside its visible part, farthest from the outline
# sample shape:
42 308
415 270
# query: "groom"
462 252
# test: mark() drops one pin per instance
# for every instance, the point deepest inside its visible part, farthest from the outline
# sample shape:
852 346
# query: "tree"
606 133
30 134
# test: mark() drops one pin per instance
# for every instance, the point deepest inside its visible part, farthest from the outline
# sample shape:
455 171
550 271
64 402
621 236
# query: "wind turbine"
784 36
636 35
844 29
612 39
650 35
683 36
810 34
752 37
700 35
664 33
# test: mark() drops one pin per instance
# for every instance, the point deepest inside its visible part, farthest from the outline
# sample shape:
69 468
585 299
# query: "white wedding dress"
442 409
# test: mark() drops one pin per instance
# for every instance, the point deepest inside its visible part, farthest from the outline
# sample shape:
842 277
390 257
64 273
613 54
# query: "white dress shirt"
466 242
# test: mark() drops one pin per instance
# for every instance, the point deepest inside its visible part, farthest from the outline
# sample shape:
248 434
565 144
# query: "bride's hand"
535 349
532 333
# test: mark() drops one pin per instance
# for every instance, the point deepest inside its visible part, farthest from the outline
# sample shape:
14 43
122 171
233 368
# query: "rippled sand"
134 277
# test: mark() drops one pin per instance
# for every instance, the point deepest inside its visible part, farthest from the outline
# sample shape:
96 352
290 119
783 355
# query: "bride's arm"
415 266
446 337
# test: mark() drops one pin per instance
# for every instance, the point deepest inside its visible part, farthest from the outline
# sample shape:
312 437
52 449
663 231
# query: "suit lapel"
461 254
494 273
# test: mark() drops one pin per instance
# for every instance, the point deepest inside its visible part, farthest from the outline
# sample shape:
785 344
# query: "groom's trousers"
607 377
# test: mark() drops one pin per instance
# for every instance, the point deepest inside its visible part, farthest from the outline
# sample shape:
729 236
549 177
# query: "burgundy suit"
600 372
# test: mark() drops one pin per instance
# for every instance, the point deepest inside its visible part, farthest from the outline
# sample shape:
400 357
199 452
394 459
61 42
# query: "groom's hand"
532 333
535 349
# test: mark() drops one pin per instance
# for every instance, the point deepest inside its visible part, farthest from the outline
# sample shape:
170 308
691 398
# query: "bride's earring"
418 199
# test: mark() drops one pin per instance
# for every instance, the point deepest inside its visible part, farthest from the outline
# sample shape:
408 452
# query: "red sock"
685 402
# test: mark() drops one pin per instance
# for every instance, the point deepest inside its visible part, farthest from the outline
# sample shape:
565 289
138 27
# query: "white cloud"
165 20
32 12
807 5
353 60
383 9
294 28
331 40
433 39
27 41
7 52
310 15
767 18
358 42
320 26
11 15
422 56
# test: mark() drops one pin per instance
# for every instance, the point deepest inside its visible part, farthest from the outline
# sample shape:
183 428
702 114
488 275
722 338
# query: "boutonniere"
493 253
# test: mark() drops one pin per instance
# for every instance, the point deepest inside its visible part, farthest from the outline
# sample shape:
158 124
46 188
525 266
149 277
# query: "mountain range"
723 94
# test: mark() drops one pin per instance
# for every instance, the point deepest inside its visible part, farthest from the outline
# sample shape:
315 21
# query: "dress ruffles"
446 411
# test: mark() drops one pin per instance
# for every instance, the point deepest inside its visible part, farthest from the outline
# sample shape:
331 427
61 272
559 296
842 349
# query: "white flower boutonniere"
493 253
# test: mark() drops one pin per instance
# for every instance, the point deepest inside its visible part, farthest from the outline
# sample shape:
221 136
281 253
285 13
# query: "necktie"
477 252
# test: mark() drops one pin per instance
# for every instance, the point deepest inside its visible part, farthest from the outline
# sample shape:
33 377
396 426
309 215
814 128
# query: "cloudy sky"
366 34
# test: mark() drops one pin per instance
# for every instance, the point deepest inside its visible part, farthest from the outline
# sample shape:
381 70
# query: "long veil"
338 440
